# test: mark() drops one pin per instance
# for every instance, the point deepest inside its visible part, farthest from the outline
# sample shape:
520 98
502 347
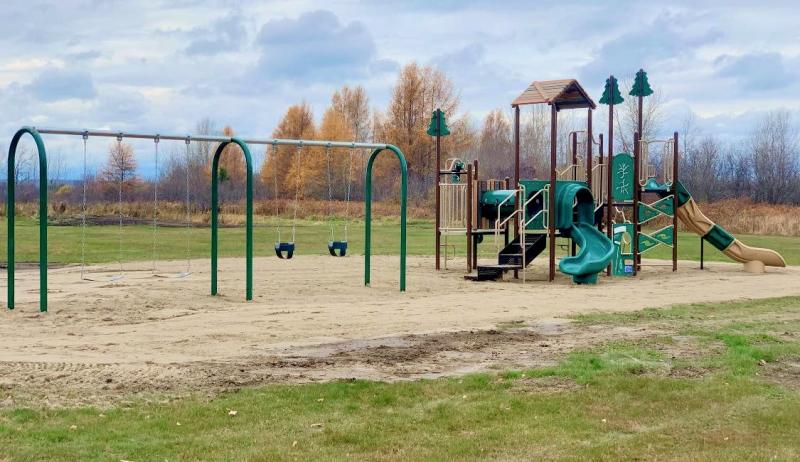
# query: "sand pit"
313 319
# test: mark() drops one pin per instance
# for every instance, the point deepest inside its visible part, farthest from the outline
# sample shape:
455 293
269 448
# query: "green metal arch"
249 216
10 211
368 212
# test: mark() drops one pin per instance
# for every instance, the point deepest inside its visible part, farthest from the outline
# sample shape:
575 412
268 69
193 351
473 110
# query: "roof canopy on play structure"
563 94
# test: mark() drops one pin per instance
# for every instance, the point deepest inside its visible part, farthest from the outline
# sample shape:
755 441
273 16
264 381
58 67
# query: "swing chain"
330 184
297 189
349 187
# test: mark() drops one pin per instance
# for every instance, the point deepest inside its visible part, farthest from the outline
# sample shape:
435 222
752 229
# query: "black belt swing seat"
284 250
337 248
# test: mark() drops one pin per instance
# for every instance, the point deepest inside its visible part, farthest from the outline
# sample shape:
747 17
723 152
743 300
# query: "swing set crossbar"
207 138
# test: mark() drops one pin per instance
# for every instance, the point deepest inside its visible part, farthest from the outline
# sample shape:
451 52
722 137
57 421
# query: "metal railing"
545 213
575 172
599 184
648 170
523 221
498 224
453 199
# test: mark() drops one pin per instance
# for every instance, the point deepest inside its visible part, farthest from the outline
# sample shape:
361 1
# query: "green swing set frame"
36 134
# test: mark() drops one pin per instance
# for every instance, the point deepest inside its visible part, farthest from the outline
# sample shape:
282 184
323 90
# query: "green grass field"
312 237
721 399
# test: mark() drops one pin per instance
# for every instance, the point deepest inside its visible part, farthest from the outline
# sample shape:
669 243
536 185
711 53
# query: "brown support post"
601 156
609 175
469 218
589 141
636 193
572 247
600 151
675 201
477 190
639 121
574 154
438 196
516 167
551 206
516 146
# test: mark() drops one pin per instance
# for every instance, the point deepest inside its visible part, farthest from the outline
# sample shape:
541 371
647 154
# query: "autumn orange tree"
352 103
418 91
119 171
335 127
280 172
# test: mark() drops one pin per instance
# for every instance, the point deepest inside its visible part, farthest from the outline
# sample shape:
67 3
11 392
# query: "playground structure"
600 204
221 144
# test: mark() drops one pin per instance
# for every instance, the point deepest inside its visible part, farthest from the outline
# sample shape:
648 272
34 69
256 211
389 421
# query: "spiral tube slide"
596 249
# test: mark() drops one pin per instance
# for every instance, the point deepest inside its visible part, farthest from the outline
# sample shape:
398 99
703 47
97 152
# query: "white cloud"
60 84
160 65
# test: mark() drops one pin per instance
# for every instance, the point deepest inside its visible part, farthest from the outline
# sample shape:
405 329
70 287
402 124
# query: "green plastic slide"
596 249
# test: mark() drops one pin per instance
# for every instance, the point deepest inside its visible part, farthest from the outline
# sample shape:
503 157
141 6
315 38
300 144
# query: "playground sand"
312 319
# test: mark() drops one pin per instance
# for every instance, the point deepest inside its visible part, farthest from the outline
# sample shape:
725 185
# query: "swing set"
338 247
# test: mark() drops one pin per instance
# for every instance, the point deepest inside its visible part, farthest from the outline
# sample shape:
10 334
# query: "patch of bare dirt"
785 372
392 358
688 372
538 385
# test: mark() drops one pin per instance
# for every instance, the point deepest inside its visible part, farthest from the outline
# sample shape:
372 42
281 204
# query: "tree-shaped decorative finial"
438 125
611 92
641 87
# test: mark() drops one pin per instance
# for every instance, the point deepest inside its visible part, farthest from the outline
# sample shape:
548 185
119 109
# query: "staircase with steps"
510 258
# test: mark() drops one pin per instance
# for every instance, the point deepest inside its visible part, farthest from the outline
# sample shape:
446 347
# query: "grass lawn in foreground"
723 399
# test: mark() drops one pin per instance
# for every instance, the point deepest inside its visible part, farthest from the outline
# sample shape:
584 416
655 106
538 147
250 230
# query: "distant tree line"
763 166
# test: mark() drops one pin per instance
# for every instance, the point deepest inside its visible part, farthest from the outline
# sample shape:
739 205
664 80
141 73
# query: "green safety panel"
622 262
661 207
646 243
719 238
664 235
647 213
664 206
622 177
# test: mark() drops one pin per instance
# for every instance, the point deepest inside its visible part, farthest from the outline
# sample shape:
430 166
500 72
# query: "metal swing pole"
155 205
188 212
85 137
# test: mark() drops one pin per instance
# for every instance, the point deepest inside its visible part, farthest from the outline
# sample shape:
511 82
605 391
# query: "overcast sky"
161 65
